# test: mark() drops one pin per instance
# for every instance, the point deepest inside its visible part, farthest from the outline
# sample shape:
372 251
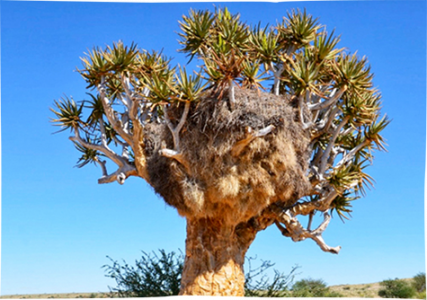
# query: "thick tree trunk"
215 253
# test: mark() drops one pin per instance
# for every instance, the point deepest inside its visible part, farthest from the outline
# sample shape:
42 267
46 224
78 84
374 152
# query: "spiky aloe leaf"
88 155
363 107
303 75
95 65
324 46
342 205
68 114
264 45
189 87
251 75
121 57
232 31
196 30
149 63
298 29
162 86
110 134
372 133
352 72
97 110
222 69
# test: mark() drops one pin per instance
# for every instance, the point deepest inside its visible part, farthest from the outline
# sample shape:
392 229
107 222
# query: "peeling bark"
214 258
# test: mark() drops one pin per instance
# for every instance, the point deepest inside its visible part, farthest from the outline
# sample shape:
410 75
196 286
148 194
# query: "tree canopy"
277 122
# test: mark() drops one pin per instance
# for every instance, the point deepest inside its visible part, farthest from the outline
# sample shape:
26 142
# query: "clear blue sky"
58 224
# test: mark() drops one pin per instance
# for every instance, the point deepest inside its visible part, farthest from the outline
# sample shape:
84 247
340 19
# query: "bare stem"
330 101
175 131
102 163
176 154
120 161
328 150
125 169
110 113
292 228
351 154
231 97
308 207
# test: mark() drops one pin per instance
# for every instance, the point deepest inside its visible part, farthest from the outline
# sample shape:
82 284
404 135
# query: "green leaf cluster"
396 288
68 114
88 155
297 52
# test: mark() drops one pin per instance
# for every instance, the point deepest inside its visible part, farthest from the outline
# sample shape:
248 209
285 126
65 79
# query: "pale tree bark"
214 258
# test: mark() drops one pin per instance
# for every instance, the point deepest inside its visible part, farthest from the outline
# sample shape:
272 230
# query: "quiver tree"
277 123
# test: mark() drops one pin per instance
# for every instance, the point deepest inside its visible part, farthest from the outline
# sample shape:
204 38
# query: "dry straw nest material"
216 183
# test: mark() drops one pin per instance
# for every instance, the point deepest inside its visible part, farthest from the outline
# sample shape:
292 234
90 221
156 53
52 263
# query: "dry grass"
58 296
369 290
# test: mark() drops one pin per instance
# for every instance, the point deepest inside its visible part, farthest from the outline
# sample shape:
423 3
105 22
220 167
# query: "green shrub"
152 276
419 282
160 275
421 295
312 288
395 288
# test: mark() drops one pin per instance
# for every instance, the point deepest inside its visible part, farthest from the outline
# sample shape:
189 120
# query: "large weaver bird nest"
220 179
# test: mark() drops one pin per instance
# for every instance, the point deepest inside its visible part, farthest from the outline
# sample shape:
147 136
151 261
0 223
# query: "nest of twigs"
217 183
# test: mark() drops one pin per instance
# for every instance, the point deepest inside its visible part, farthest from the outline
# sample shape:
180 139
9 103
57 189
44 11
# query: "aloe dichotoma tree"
277 123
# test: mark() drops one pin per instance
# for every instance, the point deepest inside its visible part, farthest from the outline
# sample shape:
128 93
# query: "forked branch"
308 207
335 96
175 131
111 114
176 153
125 169
120 175
292 228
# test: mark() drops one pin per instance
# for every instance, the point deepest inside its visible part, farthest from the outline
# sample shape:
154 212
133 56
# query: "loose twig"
250 136
177 156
